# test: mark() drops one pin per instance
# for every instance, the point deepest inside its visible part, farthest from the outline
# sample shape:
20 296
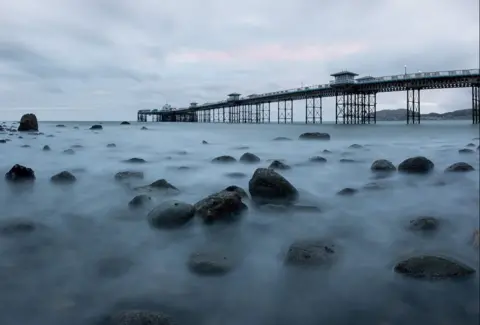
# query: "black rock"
64 177
224 159
314 136
249 158
171 214
20 173
416 165
96 127
460 167
433 268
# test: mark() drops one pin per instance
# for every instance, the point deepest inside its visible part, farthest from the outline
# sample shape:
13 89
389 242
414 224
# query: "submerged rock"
314 136
160 185
137 317
17 227
268 186
125 123
63 177
224 206
136 160
249 158
476 238
224 159
60 125
416 165
460 167
46 148
326 151
204 142
424 224
277 164
139 201
171 214
96 127
240 191
144 128
28 122
471 145
355 146
111 145
433 268
282 139
465 150
209 263
69 151
20 173
128 174
317 159
236 175
310 253
383 165
347 191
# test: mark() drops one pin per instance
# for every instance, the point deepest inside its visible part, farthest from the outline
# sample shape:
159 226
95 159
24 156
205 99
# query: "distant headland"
401 113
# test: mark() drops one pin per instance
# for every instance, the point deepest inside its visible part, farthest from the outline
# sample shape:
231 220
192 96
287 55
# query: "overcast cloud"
105 59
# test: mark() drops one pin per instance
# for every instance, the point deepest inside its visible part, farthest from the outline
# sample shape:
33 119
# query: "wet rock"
75 127
137 317
120 176
136 160
465 150
374 186
236 175
224 206
69 151
113 267
433 268
50 136
171 214
111 145
96 127
224 159
139 201
471 145
160 185
77 146
209 263
64 177
355 146
416 165
282 139
268 186
25 146
144 128
250 158
317 159
326 151
383 165
60 125
277 164
347 191
20 173
347 161
314 136
204 142
240 191
125 123
310 253
28 122
242 148
3 141
424 224
460 167
17 227
46 148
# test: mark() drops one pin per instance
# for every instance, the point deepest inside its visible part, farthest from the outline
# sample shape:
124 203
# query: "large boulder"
416 165
20 173
460 167
433 268
171 214
250 158
96 127
64 177
314 136
225 206
28 122
268 186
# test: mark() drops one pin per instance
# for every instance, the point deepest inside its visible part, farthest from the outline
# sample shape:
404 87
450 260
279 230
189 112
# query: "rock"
171 214
326 151
144 128
160 185
20 173
356 146
77 146
111 145
139 200
224 159
3 141
236 175
383 165
424 224
282 139
17 227
465 150
209 263
136 160
50 136
310 253
460 167
69 151
347 161
138 317
347 191
242 148
471 145
120 176
60 125
248 157
240 191
432 268
75 127
314 136
416 165
96 127
317 159
204 142
125 123
268 186
46 148
25 146
374 186
277 164
28 122
63 177
223 206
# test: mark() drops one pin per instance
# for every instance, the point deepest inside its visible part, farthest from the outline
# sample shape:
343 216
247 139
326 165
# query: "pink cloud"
270 52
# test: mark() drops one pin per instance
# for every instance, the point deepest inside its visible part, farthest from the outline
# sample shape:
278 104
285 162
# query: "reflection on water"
89 254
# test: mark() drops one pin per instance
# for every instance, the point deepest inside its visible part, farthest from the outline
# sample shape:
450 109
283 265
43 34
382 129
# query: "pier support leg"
413 106
285 111
313 110
371 108
339 107
476 104
266 113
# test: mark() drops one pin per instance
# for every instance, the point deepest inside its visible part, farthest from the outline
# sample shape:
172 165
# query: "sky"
105 59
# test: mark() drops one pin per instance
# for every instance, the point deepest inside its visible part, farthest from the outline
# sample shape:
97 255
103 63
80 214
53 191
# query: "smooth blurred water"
49 277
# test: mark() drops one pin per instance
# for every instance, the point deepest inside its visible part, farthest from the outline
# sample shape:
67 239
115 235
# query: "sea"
93 255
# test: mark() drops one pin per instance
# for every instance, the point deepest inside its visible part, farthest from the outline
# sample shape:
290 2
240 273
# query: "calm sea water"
51 276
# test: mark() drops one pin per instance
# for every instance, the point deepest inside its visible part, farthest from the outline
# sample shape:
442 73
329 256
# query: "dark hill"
401 114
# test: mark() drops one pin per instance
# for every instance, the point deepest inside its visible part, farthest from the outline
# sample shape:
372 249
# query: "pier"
355 100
